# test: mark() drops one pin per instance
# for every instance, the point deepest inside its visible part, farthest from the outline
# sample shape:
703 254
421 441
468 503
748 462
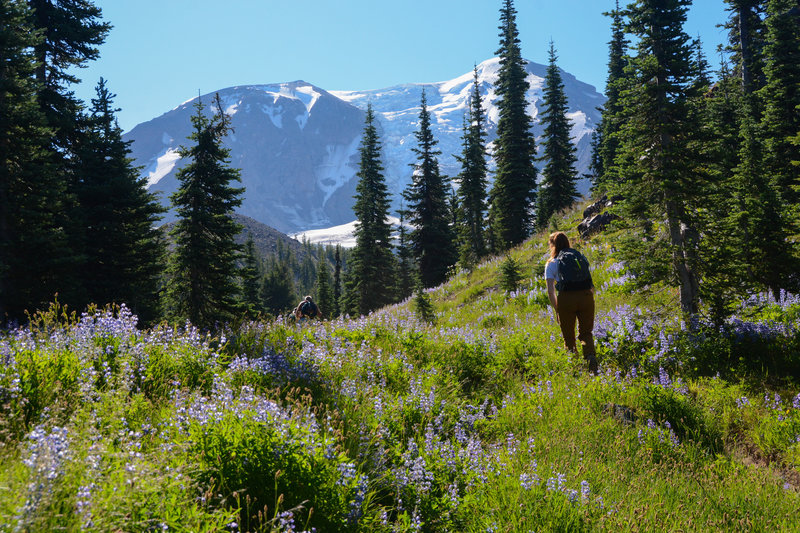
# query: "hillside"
477 422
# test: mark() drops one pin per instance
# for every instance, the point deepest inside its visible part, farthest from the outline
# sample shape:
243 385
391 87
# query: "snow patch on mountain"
337 167
343 234
162 166
579 128
274 113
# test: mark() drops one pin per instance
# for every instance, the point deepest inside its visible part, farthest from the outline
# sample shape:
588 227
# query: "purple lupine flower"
585 490
742 402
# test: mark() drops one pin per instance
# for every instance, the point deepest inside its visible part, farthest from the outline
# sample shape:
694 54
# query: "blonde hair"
557 241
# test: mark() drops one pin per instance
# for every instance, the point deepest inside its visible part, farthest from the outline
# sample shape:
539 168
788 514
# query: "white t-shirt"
551 270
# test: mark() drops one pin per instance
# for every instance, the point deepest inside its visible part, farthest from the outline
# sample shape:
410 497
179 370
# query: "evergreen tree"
203 270
251 278
781 97
723 215
764 223
510 274
405 262
428 212
71 32
277 290
472 182
324 289
612 116
558 189
35 259
747 37
661 173
122 248
423 307
513 194
337 281
371 272
595 163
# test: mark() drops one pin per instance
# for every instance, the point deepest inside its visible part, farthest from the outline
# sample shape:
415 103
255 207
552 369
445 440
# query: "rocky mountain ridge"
297 144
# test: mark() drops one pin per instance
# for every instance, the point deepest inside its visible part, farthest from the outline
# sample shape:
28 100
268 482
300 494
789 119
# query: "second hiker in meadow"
571 293
307 309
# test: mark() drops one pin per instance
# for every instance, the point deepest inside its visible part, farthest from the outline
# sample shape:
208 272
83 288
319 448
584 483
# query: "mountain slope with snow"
297 144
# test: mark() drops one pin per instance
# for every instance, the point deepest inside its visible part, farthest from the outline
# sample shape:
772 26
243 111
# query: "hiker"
567 271
307 309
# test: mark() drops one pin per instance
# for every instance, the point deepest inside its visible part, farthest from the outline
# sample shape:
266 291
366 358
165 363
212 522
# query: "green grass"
477 421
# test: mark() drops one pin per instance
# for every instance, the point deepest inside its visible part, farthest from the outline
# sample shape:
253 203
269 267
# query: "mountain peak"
297 144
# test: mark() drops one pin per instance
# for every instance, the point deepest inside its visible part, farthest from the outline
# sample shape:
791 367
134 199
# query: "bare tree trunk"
682 251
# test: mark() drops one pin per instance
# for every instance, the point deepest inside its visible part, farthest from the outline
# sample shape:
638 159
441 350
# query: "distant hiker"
567 271
307 309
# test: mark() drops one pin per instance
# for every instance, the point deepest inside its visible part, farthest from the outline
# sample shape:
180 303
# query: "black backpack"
573 271
308 309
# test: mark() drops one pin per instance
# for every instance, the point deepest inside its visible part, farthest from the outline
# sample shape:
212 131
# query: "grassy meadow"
479 421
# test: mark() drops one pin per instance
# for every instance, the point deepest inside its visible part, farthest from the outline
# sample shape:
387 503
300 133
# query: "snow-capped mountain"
297 144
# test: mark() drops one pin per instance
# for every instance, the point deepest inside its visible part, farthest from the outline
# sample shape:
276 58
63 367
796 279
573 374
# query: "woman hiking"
571 293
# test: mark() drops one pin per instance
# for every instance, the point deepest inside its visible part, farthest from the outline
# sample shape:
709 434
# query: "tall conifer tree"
473 182
371 269
122 249
71 32
337 281
558 189
513 194
610 123
325 299
277 288
34 256
251 278
660 171
747 37
781 97
432 240
203 269
406 273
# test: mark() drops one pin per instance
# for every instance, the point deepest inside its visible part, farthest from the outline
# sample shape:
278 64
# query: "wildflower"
585 491
741 402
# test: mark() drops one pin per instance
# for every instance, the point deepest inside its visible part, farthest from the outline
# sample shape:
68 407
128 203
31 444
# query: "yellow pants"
572 306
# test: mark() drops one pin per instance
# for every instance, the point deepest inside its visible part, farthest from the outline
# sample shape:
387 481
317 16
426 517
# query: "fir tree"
122 249
510 274
337 281
611 118
781 97
595 163
325 297
661 174
71 32
558 189
35 259
764 222
513 194
251 278
423 307
472 182
277 289
203 270
405 261
747 37
371 272
428 212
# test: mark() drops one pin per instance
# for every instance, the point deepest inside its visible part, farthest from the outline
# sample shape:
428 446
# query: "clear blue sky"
160 53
